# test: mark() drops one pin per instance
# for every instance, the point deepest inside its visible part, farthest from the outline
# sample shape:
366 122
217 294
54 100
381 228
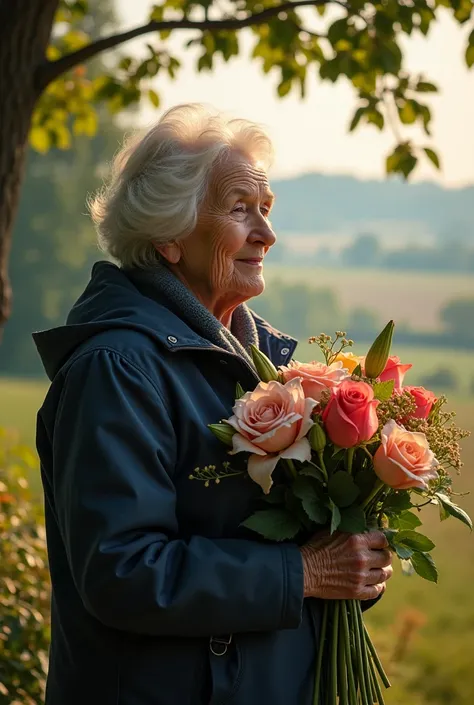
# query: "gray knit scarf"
243 331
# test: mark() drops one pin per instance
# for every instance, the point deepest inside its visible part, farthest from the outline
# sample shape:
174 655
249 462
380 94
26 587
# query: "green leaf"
353 520
273 524
376 118
433 157
358 371
384 390
408 113
454 510
365 480
154 98
312 471
425 567
407 521
403 552
335 518
470 55
414 540
314 505
342 489
284 88
338 30
398 501
239 391
40 139
426 87
357 118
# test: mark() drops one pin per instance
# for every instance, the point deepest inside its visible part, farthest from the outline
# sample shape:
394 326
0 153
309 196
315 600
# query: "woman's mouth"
253 261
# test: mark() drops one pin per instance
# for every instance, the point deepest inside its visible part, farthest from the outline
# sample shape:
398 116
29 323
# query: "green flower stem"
322 464
348 654
319 660
378 663
333 676
365 652
375 684
375 491
342 664
349 459
291 467
358 647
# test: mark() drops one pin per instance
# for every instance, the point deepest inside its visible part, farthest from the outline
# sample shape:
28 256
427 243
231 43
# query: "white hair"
158 181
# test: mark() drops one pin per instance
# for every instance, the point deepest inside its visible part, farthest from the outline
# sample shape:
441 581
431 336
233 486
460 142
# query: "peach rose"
315 376
349 360
271 423
424 400
395 370
350 416
404 459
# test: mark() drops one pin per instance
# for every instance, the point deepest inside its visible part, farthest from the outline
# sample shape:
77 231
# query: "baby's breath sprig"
326 344
442 434
209 473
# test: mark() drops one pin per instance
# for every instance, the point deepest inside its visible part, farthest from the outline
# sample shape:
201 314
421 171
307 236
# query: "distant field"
414 298
19 402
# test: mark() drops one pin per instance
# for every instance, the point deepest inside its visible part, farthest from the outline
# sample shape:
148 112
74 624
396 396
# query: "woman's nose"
262 232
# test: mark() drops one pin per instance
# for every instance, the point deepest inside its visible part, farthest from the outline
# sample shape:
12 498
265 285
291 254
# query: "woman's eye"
265 210
240 208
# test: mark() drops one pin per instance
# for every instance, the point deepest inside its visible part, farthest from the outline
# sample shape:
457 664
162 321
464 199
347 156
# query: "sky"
311 134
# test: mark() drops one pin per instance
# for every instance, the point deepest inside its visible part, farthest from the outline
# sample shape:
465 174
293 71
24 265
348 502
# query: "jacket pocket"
226 668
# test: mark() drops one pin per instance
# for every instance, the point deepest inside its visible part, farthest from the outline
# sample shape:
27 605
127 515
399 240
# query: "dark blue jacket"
147 565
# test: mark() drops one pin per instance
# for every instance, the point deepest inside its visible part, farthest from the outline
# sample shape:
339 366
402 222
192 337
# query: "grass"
424 632
413 298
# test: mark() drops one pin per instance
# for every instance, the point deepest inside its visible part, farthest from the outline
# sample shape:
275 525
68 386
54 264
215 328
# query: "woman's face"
222 260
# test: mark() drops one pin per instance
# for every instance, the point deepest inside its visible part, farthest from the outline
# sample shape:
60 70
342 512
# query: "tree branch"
51 70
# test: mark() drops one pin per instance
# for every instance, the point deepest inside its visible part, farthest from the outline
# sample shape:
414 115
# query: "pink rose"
424 400
350 416
315 376
395 370
404 459
271 423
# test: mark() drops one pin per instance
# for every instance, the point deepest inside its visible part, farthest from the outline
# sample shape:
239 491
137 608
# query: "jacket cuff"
293 596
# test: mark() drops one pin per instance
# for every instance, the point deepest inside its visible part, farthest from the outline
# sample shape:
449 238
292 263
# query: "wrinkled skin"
222 260
345 566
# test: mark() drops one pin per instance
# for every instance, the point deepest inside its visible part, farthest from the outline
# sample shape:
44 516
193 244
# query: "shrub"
24 580
442 378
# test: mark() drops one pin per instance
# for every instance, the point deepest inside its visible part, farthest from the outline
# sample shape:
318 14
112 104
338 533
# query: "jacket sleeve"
113 457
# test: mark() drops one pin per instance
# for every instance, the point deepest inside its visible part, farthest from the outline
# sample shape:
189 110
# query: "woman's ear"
171 252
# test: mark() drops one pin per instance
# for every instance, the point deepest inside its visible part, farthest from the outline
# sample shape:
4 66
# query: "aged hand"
346 566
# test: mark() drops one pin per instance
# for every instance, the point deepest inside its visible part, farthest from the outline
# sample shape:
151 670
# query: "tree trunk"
25 29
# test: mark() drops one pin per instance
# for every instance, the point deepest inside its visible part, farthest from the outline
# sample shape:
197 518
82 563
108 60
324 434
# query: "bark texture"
25 28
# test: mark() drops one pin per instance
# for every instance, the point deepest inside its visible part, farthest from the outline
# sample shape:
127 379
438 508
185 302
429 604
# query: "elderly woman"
160 597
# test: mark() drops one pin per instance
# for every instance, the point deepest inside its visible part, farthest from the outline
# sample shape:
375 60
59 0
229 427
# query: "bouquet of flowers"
342 445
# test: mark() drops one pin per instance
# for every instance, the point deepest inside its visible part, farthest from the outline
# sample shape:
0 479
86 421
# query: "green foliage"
24 593
311 498
361 43
458 316
424 566
273 524
448 508
342 489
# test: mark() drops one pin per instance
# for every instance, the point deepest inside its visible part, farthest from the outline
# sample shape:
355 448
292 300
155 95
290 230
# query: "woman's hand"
346 566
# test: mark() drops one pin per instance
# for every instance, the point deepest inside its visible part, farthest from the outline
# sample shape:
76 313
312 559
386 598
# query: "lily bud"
317 438
223 432
265 368
378 354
